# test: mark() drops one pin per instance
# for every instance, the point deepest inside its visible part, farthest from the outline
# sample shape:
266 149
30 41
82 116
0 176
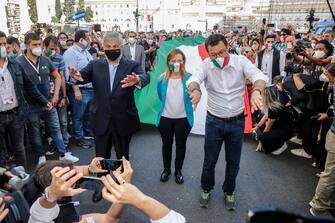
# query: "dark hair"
62 33
42 175
49 30
286 31
277 79
330 32
95 42
256 40
80 34
31 36
50 39
331 68
11 40
214 40
2 34
271 36
328 46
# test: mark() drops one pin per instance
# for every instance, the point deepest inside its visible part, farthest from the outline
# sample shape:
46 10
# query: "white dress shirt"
132 51
225 87
267 63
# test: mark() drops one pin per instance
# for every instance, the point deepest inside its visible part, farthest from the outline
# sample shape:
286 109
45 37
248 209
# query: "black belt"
12 111
234 118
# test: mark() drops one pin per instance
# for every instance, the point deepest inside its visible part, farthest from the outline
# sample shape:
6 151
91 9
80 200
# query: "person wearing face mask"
224 75
175 117
14 85
270 60
134 51
321 202
51 47
330 36
62 37
114 114
40 69
80 96
13 47
150 51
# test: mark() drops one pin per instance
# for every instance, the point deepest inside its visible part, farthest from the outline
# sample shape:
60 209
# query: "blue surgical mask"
12 55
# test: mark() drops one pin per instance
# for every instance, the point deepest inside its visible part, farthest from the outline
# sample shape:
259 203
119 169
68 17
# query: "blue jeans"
80 113
62 114
34 130
232 134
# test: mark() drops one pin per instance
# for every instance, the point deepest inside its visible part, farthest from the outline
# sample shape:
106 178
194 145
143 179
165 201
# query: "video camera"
293 68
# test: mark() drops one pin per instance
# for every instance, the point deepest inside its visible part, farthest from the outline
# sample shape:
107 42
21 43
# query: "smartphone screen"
90 183
110 164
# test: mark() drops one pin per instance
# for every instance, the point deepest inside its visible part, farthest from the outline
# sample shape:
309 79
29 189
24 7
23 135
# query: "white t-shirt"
174 102
39 214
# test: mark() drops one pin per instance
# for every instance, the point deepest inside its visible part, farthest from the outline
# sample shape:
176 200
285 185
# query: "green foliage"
68 8
32 10
58 10
89 14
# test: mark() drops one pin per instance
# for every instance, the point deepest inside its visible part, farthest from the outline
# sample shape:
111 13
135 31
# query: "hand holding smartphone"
110 164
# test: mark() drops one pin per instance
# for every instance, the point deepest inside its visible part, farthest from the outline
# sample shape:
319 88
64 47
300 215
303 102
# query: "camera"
293 68
301 45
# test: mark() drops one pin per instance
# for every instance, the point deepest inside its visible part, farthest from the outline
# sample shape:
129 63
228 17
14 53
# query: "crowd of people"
55 86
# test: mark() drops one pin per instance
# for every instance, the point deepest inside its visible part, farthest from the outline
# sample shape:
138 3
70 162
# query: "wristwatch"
46 196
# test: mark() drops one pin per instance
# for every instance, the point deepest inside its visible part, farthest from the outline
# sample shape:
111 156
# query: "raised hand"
75 74
130 80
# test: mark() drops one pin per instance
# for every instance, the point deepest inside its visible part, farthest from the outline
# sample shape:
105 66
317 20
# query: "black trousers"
14 126
104 143
170 128
275 138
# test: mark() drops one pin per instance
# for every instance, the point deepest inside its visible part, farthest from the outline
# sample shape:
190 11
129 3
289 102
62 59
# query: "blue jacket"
162 89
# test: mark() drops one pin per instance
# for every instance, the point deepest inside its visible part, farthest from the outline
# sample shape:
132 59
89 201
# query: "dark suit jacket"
24 86
114 107
139 54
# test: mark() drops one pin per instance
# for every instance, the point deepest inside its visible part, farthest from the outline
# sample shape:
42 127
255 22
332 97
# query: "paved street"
284 181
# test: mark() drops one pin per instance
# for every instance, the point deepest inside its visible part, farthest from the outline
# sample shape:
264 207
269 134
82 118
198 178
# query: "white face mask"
131 40
313 45
150 41
319 54
37 51
323 78
254 47
3 52
85 43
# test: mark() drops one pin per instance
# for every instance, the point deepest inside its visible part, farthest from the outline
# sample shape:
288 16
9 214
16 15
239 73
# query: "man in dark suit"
134 51
114 113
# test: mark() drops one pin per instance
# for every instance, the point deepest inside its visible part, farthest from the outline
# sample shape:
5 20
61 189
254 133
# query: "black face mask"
113 54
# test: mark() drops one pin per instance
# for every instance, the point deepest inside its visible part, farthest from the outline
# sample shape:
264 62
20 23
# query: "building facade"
14 17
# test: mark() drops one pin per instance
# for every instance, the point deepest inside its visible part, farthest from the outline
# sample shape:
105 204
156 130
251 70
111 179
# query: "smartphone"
110 164
90 183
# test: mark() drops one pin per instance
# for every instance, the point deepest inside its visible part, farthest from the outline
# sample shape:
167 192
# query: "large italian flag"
147 100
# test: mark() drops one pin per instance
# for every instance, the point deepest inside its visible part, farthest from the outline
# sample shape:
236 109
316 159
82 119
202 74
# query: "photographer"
278 125
118 191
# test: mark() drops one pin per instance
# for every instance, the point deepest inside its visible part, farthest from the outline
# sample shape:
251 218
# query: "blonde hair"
172 54
270 101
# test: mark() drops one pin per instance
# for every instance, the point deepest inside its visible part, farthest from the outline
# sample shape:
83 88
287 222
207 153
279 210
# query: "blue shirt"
58 62
112 72
77 58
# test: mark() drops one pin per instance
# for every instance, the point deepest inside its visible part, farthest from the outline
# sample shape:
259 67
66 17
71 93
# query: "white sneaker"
301 153
280 150
296 140
69 157
41 159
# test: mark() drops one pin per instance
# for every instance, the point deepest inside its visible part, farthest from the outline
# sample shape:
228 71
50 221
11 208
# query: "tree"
58 10
32 10
81 5
89 14
68 8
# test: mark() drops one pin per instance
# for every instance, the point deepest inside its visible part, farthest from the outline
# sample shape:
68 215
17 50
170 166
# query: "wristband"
46 196
89 171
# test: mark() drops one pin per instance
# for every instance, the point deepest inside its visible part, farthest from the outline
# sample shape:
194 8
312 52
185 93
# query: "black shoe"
84 144
179 177
165 175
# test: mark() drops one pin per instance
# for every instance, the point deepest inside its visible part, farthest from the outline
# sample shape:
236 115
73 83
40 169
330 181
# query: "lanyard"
37 69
